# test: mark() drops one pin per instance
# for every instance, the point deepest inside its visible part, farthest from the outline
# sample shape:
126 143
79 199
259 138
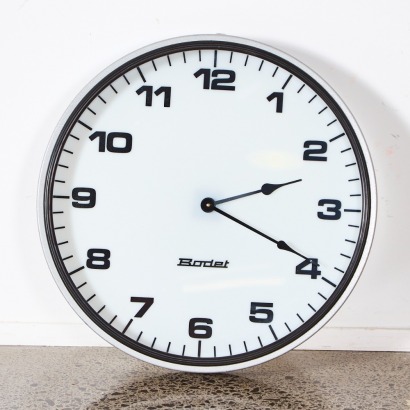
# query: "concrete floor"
105 378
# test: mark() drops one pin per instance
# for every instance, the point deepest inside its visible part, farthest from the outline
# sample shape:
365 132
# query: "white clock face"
207 205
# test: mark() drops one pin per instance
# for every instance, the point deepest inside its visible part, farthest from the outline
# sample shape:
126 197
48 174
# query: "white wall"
50 49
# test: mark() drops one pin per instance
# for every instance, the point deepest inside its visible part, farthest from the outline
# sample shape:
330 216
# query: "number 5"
256 309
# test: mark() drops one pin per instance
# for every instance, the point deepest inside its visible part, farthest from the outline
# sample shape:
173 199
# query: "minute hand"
280 244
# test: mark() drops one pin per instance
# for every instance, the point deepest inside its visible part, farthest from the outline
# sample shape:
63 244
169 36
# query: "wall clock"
207 203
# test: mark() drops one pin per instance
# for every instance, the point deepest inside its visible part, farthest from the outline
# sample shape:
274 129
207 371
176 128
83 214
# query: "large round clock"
206 203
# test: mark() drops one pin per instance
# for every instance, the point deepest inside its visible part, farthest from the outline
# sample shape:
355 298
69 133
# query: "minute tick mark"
287 82
85 125
169 61
328 281
312 307
153 63
324 297
273 333
112 87
260 67
276 70
215 57
301 88
76 270
102 99
141 75
80 286
112 320
312 99
128 325
337 137
330 123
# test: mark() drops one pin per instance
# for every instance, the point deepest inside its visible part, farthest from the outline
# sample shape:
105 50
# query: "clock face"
207 203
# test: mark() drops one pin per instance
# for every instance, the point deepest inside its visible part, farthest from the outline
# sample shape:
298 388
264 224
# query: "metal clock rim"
54 149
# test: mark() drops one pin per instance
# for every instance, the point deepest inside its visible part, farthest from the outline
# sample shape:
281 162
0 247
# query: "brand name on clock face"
202 264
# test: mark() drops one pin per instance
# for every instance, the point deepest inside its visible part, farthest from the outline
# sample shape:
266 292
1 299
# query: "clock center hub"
207 205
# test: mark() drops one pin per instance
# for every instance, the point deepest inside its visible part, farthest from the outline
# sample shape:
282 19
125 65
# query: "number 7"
147 303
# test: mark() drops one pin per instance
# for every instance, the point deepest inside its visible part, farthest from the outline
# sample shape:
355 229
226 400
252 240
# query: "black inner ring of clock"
177 48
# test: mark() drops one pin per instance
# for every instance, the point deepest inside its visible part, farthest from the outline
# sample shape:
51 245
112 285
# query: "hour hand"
266 189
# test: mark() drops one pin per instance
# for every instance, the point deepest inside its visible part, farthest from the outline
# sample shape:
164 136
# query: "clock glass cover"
206 203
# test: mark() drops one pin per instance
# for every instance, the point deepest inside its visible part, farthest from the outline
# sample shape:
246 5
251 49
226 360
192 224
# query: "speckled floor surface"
104 378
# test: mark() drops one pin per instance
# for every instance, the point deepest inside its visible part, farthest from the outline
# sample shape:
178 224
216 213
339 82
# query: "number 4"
313 271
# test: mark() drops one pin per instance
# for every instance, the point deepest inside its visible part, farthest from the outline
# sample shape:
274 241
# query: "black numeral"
147 303
313 270
118 142
225 77
279 100
199 329
258 308
149 91
98 258
333 207
85 197
312 154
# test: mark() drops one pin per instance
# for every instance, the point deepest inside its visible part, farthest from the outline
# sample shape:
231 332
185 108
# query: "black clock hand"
208 205
266 189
